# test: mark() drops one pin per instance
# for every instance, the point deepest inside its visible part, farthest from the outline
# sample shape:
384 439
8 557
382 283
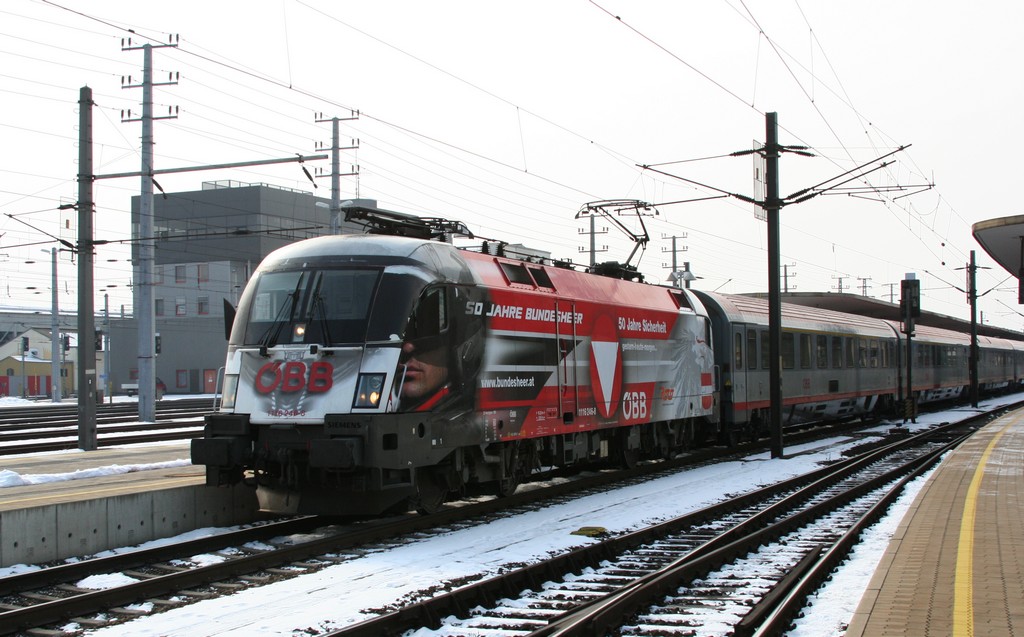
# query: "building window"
204 305
203 272
179 306
158 307
158 275
181 378
179 274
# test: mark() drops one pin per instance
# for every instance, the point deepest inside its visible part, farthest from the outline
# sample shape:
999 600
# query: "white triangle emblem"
606 356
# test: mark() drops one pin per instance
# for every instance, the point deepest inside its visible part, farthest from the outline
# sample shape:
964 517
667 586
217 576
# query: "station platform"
86 502
955 565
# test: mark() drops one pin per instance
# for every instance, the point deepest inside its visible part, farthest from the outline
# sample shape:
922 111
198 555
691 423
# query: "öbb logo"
291 377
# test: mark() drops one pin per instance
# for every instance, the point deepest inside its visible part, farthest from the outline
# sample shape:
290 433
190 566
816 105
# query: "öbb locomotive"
371 373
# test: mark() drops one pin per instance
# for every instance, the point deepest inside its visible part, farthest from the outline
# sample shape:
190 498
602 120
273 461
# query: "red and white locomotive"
372 373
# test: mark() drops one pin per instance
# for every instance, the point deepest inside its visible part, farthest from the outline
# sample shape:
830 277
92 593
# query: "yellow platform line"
963 587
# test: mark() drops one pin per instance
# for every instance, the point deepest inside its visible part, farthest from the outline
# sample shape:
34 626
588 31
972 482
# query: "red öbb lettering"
291 377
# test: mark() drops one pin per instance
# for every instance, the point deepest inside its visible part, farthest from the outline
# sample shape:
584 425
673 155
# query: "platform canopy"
1003 239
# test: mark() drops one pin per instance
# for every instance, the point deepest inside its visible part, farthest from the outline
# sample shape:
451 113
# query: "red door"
209 381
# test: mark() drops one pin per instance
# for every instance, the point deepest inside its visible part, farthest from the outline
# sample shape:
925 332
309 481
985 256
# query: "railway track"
37 599
741 567
54 428
169 576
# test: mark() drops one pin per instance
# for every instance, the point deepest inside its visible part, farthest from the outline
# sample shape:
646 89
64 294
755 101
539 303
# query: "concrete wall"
42 534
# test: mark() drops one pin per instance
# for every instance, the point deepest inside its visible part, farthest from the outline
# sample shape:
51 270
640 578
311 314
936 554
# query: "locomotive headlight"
300 333
368 390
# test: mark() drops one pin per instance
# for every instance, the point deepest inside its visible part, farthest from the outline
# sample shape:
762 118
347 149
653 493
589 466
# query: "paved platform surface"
63 463
956 563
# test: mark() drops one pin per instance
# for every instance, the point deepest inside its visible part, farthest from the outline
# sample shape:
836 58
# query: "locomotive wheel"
628 458
431 491
507 486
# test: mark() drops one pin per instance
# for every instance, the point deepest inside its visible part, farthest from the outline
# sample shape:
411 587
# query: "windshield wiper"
269 338
321 315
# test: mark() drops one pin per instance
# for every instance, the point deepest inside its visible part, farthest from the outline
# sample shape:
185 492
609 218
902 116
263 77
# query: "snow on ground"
10 478
349 592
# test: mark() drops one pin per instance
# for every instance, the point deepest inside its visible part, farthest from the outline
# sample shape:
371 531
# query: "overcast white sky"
510 116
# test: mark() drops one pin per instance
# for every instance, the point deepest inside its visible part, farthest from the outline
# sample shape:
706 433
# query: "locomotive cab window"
326 306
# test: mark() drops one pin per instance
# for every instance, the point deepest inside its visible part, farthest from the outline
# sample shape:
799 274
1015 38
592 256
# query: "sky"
512 116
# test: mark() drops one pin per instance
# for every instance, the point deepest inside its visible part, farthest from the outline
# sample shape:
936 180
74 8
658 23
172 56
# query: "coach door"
738 368
566 338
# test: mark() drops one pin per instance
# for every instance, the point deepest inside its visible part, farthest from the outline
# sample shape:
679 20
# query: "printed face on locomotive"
442 350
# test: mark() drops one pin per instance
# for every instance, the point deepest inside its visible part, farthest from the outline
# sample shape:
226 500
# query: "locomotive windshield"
324 306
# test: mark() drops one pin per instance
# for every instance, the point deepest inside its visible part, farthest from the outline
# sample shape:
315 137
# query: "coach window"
862 352
874 352
805 351
737 346
751 349
837 352
788 350
766 356
821 351
849 344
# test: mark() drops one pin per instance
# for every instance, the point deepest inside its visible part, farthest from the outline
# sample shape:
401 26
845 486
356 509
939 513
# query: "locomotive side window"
516 273
837 352
540 276
430 318
751 349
